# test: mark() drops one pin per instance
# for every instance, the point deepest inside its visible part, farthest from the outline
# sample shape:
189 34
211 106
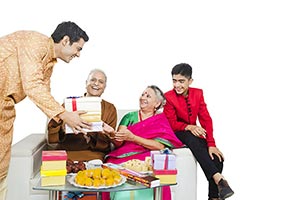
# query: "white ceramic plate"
71 180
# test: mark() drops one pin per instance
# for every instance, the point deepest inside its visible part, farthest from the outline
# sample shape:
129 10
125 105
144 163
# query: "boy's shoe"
224 189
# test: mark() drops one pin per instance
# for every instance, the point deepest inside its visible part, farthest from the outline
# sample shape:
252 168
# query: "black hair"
70 29
183 69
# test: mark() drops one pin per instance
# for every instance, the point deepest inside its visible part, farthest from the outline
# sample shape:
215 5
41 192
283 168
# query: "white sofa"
26 161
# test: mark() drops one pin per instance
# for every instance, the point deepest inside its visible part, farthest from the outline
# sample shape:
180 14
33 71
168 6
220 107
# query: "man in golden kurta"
26 64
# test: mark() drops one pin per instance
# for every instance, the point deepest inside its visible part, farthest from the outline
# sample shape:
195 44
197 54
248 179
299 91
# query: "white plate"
141 172
71 180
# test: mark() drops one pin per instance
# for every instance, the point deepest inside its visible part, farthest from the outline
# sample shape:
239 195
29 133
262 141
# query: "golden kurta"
26 64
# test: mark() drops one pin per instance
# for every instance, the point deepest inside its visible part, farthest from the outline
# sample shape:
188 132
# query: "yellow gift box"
53 177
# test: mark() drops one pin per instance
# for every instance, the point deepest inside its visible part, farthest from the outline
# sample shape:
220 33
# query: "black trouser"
198 146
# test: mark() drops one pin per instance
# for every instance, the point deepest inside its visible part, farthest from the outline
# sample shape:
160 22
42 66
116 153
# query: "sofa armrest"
186 165
25 163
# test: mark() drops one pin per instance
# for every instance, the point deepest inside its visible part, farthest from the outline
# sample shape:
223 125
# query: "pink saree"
157 128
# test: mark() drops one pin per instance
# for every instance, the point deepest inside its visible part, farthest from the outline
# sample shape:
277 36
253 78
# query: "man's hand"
73 120
196 130
108 130
217 152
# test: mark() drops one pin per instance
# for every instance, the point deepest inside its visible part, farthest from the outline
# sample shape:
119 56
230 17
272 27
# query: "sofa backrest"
121 113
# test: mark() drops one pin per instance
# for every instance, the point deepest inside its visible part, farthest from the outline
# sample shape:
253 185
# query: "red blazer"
182 111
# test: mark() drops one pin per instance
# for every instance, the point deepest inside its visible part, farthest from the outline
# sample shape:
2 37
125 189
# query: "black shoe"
224 190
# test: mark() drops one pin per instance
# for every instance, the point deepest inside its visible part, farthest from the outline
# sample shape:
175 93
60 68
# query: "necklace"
140 115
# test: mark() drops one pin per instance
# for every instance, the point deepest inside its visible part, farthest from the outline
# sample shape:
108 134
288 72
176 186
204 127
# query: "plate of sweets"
140 166
97 178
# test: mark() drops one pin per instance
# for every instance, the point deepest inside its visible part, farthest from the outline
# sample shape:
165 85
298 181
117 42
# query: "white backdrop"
245 56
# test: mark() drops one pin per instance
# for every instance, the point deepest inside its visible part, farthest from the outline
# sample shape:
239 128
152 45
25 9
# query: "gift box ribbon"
166 151
74 105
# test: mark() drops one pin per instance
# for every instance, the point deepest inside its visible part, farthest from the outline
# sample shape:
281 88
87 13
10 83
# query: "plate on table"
71 180
142 167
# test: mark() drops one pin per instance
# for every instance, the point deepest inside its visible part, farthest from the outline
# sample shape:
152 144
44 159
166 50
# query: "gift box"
54 155
54 160
54 165
79 195
92 105
166 176
53 177
163 160
53 168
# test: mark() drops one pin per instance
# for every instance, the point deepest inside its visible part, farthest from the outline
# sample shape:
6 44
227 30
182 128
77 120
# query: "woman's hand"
124 135
196 130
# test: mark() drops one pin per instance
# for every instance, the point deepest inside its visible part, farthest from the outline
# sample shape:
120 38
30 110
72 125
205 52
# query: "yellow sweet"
80 180
89 172
117 178
106 173
109 182
115 173
98 177
97 173
81 173
88 182
97 183
102 182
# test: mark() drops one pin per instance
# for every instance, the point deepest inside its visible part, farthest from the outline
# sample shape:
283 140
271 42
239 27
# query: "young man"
183 106
26 64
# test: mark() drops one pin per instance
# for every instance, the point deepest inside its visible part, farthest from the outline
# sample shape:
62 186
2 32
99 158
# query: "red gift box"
54 155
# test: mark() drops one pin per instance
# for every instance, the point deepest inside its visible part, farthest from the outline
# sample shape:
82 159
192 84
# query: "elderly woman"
94 145
144 130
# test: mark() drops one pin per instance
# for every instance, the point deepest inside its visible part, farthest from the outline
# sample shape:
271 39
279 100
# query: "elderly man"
26 64
93 145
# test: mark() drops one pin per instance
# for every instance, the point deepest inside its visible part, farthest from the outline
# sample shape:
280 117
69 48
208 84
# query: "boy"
183 106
